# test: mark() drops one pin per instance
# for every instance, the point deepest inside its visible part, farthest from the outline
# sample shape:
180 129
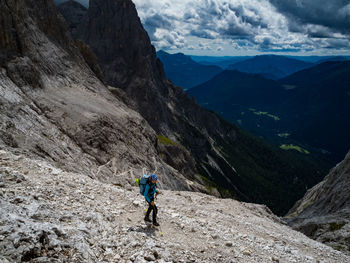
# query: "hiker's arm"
156 191
146 193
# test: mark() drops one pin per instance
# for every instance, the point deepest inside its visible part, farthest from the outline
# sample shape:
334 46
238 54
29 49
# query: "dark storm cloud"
337 43
331 14
155 21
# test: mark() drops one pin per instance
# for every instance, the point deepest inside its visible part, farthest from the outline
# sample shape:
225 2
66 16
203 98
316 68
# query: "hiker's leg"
150 208
155 211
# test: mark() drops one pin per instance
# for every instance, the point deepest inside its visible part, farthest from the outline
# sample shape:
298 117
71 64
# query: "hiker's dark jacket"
150 191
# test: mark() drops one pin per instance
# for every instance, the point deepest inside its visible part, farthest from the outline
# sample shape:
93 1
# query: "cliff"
323 213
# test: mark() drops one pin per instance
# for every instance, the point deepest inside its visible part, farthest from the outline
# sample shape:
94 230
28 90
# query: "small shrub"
335 226
165 140
338 247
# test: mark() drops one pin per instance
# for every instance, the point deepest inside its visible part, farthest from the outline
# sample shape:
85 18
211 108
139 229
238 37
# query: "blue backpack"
142 182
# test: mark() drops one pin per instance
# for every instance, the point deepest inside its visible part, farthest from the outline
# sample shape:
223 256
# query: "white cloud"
256 24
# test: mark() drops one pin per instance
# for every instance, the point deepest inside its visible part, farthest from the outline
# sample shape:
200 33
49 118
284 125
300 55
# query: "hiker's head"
154 178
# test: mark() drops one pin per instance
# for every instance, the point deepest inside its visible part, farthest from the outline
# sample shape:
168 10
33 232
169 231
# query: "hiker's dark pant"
155 211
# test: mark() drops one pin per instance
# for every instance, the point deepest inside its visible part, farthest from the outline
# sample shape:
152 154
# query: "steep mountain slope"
270 66
233 87
194 141
338 58
185 72
53 106
323 213
320 102
57 216
250 101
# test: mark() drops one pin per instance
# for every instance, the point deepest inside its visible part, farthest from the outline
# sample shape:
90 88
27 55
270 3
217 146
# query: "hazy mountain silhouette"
270 66
183 71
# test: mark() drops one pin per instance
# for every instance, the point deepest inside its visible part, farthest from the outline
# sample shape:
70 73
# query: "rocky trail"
48 215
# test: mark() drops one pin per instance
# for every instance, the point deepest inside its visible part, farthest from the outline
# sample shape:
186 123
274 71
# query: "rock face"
324 212
207 149
48 215
52 105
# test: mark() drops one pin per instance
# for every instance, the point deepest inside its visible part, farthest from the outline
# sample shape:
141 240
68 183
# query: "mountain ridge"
270 66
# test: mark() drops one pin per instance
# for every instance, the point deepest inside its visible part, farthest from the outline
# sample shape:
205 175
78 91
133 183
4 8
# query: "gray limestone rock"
323 213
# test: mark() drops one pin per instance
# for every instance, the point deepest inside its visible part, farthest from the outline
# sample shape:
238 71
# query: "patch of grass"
294 147
208 184
336 226
165 140
283 135
207 181
265 113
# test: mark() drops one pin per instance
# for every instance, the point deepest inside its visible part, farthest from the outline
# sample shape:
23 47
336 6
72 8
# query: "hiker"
150 191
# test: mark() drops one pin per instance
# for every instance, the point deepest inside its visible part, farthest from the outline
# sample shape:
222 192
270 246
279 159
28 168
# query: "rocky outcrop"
52 104
48 215
324 212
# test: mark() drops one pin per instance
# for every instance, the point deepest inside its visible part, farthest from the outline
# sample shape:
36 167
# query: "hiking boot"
155 223
147 219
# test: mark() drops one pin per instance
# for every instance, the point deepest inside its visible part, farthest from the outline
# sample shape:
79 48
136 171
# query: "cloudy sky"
248 27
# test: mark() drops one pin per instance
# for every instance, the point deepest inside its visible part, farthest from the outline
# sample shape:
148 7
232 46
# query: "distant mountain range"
185 72
222 62
320 59
310 107
271 66
190 71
